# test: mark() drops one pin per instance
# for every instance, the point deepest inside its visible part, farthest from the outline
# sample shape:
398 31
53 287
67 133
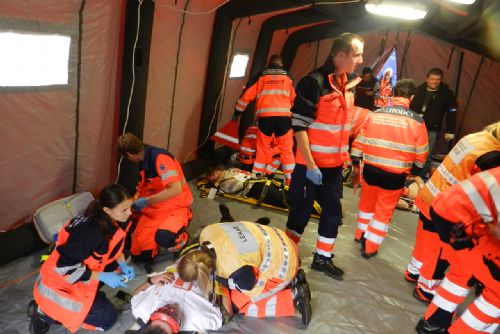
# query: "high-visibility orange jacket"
359 117
384 92
60 291
392 139
273 92
457 166
158 169
466 213
328 123
248 146
266 248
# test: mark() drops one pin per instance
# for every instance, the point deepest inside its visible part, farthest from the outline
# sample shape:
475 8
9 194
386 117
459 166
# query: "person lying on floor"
168 304
257 264
238 182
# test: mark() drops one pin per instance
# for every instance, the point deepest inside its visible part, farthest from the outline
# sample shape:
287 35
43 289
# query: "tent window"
33 59
239 65
392 65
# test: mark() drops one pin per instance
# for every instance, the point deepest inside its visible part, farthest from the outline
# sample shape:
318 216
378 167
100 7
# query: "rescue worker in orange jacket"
322 123
88 251
391 141
274 94
383 90
248 148
466 217
473 153
162 200
259 267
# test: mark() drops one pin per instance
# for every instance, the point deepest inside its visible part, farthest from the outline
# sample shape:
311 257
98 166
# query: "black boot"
300 278
38 323
424 327
325 265
225 214
302 302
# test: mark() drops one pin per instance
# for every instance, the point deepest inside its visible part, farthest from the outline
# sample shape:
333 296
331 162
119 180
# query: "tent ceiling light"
463 2
398 9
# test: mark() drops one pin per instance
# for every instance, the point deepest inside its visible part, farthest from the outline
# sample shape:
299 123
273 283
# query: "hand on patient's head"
163 279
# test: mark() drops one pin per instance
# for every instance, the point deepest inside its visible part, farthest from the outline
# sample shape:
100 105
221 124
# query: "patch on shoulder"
162 167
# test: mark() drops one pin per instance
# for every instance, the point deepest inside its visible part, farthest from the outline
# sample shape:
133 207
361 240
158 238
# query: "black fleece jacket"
441 102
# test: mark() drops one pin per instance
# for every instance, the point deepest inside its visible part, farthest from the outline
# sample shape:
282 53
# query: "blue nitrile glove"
315 176
112 279
140 204
127 270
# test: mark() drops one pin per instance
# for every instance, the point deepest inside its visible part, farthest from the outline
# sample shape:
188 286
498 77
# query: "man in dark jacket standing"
433 100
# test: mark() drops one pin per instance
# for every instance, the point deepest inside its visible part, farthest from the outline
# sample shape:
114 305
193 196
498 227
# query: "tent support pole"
470 95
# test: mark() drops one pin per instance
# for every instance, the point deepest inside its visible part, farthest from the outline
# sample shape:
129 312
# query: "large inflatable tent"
75 74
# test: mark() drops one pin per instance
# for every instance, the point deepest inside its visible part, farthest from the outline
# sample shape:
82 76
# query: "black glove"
236 115
494 270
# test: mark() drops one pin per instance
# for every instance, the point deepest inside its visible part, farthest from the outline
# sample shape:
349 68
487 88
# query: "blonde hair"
494 129
196 266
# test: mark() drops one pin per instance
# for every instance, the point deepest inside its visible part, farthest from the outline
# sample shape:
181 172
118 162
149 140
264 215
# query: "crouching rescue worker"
466 217
162 200
88 251
472 154
389 143
258 266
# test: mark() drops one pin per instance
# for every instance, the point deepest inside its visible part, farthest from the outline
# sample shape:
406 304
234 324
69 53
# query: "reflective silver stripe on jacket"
168 174
280 110
246 149
328 149
330 127
447 175
274 92
390 144
61 301
477 200
242 239
387 162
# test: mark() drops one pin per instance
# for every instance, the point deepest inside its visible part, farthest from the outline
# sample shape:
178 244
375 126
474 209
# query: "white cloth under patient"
197 313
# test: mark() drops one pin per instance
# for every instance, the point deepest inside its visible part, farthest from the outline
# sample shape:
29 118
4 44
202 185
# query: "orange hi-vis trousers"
379 204
264 155
482 315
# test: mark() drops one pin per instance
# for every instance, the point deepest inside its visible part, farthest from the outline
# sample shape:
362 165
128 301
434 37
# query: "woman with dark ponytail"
89 250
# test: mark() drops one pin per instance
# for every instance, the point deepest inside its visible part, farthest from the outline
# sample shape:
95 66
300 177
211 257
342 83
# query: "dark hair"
367 70
344 43
129 143
276 59
405 88
435 71
110 196
149 329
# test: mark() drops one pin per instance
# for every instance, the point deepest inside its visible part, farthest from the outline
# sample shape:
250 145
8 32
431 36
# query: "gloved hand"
315 176
236 116
127 270
356 177
112 279
449 136
140 204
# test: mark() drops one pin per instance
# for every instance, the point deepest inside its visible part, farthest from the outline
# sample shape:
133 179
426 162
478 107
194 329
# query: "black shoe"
300 278
363 247
38 323
413 278
424 327
225 214
325 265
302 302
422 296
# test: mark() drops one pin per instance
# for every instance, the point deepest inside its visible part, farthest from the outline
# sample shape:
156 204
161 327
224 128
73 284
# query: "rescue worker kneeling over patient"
162 200
88 251
259 267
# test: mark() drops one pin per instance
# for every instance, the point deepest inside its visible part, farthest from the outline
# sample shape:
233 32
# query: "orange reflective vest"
245 243
274 94
385 92
393 139
329 133
457 166
473 203
248 145
56 293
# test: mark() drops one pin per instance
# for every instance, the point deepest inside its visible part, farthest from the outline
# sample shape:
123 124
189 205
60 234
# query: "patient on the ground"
169 303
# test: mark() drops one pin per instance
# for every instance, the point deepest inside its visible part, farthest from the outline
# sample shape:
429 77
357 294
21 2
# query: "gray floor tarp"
372 298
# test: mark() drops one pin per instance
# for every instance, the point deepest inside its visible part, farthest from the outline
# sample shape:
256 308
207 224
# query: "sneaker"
413 278
424 327
302 302
225 214
325 265
263 221
422 296
300 278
